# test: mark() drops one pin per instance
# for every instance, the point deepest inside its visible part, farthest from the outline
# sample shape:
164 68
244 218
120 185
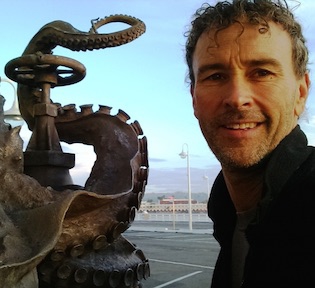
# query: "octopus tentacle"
61 33
115 142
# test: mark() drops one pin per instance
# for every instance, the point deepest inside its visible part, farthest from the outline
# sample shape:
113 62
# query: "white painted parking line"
183 264
178 279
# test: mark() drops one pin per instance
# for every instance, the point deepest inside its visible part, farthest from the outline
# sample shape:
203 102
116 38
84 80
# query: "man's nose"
238 92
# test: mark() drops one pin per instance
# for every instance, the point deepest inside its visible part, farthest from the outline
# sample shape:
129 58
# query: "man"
249 84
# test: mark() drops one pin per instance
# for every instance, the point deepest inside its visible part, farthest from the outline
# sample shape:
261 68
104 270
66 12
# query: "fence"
178 217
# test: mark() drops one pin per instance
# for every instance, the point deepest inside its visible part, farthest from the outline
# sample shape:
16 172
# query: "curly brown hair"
256 12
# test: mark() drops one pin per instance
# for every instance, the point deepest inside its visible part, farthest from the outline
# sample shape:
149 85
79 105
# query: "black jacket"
282 236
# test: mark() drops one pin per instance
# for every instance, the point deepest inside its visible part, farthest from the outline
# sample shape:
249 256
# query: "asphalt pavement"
178 258
168 226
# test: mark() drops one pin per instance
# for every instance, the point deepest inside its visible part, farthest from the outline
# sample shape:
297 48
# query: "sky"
145 78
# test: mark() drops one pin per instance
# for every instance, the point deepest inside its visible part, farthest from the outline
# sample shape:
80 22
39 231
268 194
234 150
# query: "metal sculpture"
67 235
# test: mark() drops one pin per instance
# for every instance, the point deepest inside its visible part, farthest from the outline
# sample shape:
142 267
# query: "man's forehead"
242 30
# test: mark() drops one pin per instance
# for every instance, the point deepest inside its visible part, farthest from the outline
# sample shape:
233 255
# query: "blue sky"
145 78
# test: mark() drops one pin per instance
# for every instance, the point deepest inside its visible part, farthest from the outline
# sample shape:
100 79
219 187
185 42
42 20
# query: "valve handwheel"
34 69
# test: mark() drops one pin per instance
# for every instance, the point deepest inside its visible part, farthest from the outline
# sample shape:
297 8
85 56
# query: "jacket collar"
291 152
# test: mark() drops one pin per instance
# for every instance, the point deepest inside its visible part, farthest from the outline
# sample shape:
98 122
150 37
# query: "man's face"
246 95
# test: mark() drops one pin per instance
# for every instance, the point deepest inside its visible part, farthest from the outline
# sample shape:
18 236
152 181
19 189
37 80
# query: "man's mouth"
242 126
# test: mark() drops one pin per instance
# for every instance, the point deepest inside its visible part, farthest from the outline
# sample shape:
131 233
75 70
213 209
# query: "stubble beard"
238 158
234 156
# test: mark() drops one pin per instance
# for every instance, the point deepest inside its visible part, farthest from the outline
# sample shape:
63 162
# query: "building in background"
169 205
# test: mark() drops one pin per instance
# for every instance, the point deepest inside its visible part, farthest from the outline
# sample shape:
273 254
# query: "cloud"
157 160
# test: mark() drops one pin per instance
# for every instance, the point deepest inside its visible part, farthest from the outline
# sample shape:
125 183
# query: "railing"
166 217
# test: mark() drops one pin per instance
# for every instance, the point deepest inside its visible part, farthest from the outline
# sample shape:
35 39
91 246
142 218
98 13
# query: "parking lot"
178 258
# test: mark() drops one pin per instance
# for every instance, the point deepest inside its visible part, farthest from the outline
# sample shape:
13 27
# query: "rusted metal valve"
34 69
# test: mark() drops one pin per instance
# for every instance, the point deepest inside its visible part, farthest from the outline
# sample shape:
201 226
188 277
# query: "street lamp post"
174 217
184 155
205 177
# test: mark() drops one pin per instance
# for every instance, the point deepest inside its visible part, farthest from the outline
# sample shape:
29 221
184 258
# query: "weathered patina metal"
54 232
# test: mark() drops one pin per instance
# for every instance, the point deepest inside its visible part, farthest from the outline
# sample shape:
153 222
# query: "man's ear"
192 93
301 98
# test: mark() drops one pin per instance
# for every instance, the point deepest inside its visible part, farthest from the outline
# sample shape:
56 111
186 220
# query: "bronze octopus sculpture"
66 235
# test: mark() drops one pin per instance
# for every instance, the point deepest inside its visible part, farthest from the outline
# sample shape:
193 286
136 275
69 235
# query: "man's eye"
263 73
215 77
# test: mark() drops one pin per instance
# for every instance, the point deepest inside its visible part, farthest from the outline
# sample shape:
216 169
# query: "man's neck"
245 187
